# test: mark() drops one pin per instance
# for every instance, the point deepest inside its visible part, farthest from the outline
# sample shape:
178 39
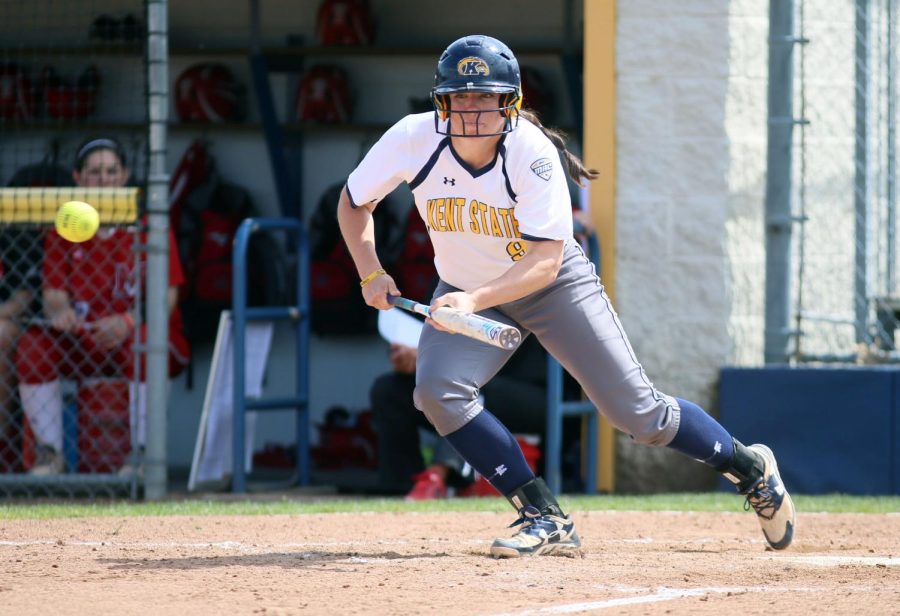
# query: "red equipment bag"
346 441
323 95
345 22
193 170
414 270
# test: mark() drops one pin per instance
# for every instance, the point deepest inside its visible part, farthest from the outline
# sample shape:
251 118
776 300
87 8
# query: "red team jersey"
99 274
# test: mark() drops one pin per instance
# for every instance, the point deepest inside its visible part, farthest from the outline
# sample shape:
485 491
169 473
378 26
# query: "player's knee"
429 396
654 426
444 402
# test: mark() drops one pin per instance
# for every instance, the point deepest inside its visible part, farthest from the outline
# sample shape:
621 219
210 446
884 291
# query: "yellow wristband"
372 277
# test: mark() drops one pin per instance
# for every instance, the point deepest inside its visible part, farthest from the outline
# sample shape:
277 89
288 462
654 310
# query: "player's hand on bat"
403 358
376 292
109 332
459 300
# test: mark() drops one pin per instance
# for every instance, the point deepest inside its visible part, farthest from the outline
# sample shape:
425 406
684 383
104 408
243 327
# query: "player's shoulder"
415 126
528 148
413 134
527 141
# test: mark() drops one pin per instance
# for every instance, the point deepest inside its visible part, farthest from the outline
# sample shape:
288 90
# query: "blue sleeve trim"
353 203
509 189
532 238
432 161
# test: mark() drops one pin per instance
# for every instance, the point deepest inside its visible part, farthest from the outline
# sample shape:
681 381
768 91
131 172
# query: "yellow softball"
77 221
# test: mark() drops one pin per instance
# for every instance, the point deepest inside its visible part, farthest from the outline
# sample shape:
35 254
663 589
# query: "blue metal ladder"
299 314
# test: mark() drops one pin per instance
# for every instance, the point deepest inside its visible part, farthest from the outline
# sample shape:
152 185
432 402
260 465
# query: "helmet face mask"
476 64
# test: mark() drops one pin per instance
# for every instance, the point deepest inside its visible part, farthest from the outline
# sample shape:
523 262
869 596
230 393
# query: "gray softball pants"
575 322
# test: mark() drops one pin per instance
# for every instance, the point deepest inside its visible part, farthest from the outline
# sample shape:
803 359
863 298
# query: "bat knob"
510 338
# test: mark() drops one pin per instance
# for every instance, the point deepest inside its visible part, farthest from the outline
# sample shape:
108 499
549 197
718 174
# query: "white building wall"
674 163
691 138
746 130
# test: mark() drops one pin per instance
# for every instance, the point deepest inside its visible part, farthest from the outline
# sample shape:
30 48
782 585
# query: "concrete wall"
691 152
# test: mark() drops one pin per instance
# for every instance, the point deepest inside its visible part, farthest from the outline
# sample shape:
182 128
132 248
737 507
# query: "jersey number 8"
515 250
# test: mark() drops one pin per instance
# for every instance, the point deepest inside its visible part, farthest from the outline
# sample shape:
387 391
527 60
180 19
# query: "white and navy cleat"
773 505
540 534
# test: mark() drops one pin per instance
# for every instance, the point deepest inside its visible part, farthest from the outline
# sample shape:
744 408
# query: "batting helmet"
323 95
207 92
477 63
345 22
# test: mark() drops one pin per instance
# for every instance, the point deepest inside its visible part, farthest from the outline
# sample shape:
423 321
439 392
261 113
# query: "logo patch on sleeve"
543 168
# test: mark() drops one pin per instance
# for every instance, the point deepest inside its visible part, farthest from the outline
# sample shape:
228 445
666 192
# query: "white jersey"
476 218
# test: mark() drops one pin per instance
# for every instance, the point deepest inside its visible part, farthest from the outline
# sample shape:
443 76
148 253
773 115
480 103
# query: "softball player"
489 183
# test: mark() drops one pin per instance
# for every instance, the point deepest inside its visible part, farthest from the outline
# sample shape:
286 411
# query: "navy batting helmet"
478 63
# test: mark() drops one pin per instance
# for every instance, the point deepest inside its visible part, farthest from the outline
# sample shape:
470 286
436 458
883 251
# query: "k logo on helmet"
472 66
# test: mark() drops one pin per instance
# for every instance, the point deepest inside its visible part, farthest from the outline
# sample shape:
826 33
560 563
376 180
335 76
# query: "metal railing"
298 313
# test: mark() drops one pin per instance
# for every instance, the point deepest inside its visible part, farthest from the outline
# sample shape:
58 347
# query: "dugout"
388 78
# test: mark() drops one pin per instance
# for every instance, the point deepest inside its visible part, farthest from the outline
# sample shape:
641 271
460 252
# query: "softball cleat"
539 534
773 505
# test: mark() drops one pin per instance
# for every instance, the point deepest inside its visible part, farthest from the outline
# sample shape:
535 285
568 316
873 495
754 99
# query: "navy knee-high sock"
702 437
493 451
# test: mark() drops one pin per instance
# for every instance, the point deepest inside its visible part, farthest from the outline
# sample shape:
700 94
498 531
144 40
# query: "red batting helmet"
323 95
207 92
345 22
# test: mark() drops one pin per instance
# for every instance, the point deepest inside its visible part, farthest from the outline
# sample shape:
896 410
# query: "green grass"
709 501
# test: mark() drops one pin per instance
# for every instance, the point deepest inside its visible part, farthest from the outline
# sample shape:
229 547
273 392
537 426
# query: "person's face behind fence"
101 168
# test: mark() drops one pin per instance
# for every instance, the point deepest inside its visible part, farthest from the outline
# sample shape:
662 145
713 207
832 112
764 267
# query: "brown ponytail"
577 171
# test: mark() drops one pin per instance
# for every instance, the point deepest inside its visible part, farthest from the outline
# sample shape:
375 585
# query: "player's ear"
76 175
126 173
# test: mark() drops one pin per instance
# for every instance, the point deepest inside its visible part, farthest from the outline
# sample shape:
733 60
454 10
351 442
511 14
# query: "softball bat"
472 325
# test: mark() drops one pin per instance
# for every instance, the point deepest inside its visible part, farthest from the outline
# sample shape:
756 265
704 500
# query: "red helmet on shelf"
345 22
67 100
207 92
323 95
16 95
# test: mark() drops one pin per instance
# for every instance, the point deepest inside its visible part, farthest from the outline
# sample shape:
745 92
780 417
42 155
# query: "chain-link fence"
842 298
73 113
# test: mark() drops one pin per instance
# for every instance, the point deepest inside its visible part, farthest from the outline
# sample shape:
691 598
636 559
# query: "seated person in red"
88 294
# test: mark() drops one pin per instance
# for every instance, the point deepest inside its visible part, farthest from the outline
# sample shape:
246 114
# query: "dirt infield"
406 563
